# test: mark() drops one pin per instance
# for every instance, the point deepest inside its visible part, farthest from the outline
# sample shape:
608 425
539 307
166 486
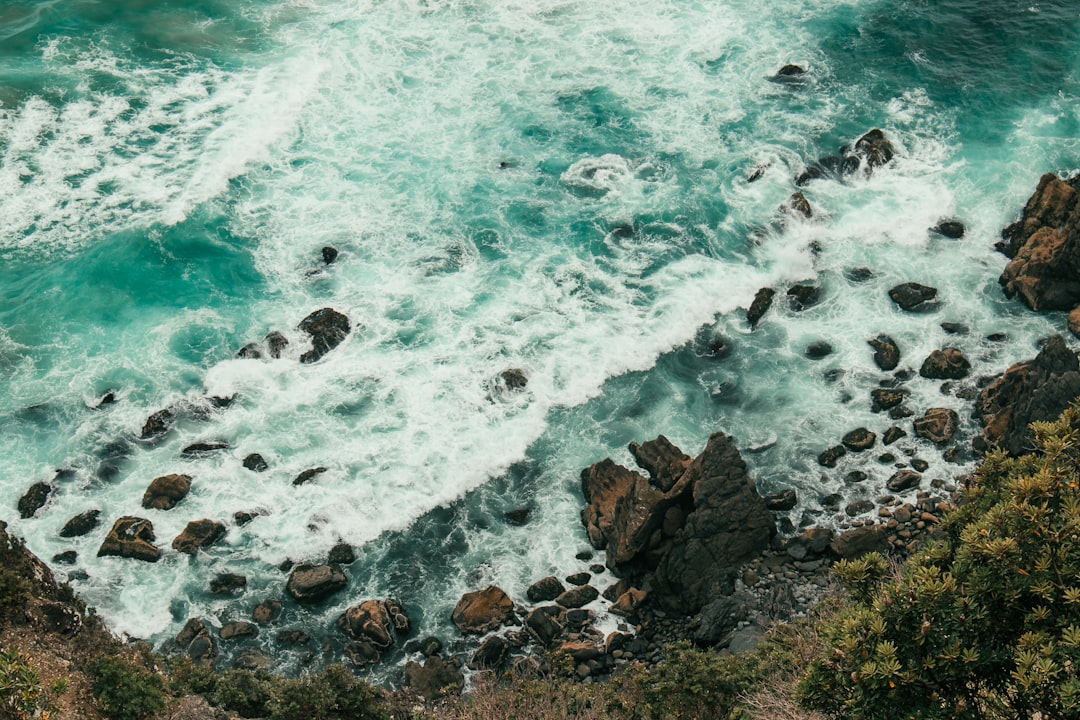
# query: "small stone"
308 475
255 463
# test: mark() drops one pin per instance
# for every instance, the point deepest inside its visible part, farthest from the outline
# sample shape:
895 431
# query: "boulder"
628 602
818 350
952 229
903 480
801 297
859 439
251 351
913 297
578 596
131 537
198 534
828 458
1053 204
203 448
81 524
875 148
789 72
781 501
514 379
719 618
237 630
276 344
761 304
545 589
1036 390
369 621
327 329
34 499
225 583
195 640
938 425
886 352
859 541
886 398
545 624
484 610
490 654
266 612
893 434
341 554
310 583
434 678
797 205
308 475
255 463
945 364
164 492
157 424
329 254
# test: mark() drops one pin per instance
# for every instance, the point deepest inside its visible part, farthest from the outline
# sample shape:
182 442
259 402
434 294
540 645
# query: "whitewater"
587 192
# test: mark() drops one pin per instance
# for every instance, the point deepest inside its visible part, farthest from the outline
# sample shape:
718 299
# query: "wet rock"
329 254
166 491
781 501
952 229
855 476
875 148
1045 248
276 344
158 424
266 612
34 499
68 557
903 480
484 610
801 297
253 660
859 275
938 425
914 297
251 351
952 328
81 524
859 541
790 71
490 654
224 583
858 507
369 621
514 379
719 618
327 328
243 517
203 448
310 583
893 434
436 677
545 589
797 205
859 439
919 465
761 304
518 516
107 399
341 554
195 640
255 463
308 475
664 462
886 352
131 537
545 624
628 602
198 534
886 398
578 596
819 350
238 630
830 457
945 364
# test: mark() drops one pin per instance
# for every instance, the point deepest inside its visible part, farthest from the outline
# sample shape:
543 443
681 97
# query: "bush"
243 692
21 692
333 694
125 691
984 624
14 591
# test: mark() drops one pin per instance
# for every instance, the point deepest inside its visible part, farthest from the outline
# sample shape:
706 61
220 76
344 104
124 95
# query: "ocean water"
554 185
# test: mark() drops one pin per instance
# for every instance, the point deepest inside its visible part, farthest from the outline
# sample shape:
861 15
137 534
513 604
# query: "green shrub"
125 691
21 692
14 591
333 694
984 624
243 692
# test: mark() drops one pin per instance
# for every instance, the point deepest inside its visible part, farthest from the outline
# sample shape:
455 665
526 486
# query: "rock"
859 541
514 379
801 297
369 621
329 254
1053 204
664 462
203 448
790 71
858 507
341 554
886 398
490 654
893 434
266 612
545 589
798 206
157 424
198 534
855 476
903 480
131 537
34 499
276 344
255 463
945 364
628 602
875 148
914 297
859 275
294 638
237 630
781 501
745 639
938 425
307 475
166 491
919 465
434 678
223 583
253 660
1074 321
829 458
545 624
194 639
398 618
819 350
68 557
81 524
251 351
859 439
517 516
1037 390
952 229
761 304
310 583
581 651
578 596
243 517
327 328
480 611
107 399
886 352
718 618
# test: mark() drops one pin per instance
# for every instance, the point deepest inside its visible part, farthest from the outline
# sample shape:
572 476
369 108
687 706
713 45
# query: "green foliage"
125 691
984 624
243 692
14 591
332 694
21 693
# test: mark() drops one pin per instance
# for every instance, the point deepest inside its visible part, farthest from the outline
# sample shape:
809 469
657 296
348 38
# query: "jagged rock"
166 491
81 524
107 399
578 596
158 424
828 458
545 623
781 501
875 148
490 654
545 589
790 71
893 434
903 480
276 344
34 499
434 678
224 583
859 439
514 379
329 254
255 463
131 537
308 475
1053 204
798 206
886 398
859 541
938 425
720 617
886 352
819 350
195 640
952 229
1037 390
309 583
761 304
266 612
341 554
945 364
203 448
238 629
664 462
628 602
327 328
369 621
251 351
801 297
198 534
480 611
913 297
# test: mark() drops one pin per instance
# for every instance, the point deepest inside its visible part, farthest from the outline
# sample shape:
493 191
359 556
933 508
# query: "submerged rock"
761 304
327 329
255 463
329 254
276 344
952 229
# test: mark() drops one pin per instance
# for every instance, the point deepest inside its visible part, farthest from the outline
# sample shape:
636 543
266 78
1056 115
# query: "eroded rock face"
310 583
327 328
131 537
165 491
1037 390
484 610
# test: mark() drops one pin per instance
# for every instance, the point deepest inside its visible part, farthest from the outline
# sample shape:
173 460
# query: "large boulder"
945 364
369 621
310 583
434 678
484 610
165 491
34 499
198 534
131 537
327 328
938 425
1037 390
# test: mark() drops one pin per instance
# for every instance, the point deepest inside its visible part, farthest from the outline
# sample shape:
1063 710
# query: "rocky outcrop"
131 537
945 364
484 610
938 425
434 678
34 499
761 304
870 151
198 534
165 491
1037 390
327 328
370 621
310 583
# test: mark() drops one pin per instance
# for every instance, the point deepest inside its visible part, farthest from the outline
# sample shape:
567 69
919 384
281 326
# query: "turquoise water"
555 186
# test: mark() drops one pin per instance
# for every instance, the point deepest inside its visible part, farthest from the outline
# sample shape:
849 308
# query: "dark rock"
62 618
276 344
664 462
545 626
253 660
427 647
859 507
1032 391
859 439
341 554
490 654
266 612
131 537
893 434
68 557
166 491
914 297
919 465
761 304
251 351
831 501
480 611
362 653
255 463
242 517
518 516
885 398
719 618
194 639
81 524
819 350
899 413
830 457
945 364
798 206
952 328
514 379
790 71
310 583
198 534
875 148
781 501
859 541
434 678
938 425
886 352
369 621
855 476
578 596
237 630
307 475
34 499
801 297
903 480
952 229
327 328
545 589
158 424
224 583
329 254
203 448
107 399
859 275
293 637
